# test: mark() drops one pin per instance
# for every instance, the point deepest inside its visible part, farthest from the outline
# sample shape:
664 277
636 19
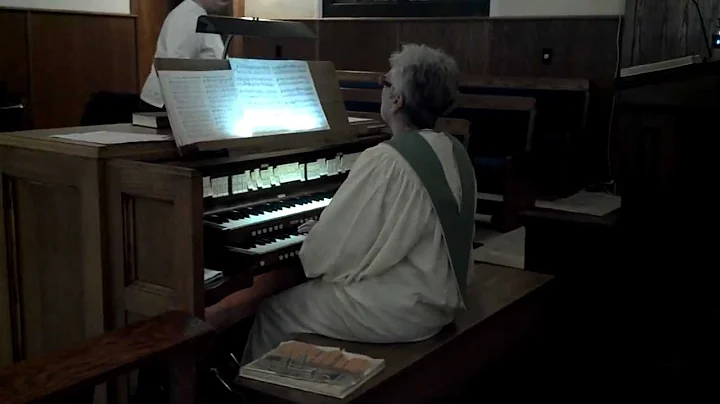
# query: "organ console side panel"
51 250
156 239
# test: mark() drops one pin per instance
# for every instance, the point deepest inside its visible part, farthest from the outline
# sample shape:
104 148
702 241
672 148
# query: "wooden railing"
70 375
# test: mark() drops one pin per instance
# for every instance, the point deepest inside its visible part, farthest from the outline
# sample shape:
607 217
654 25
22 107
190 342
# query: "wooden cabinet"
54 239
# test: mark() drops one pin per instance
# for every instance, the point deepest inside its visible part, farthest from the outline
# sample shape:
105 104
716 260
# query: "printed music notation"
254 98
199 102
277 96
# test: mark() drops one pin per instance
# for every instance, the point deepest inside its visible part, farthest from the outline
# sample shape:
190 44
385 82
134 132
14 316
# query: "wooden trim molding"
72 12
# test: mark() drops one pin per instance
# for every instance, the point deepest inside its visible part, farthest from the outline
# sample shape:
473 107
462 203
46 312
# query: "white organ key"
268 216
277 245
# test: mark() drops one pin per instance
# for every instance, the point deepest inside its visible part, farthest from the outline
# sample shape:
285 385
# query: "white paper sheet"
506 250
199 104
356 119
589 203
211 275
254 98
276 96
104 137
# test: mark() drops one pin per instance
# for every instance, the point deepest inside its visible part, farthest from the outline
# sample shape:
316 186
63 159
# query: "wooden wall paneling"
467 41
695 43
150 18
657 30
267 48
358 44
582 48
14 62
75 55
238 8
13 51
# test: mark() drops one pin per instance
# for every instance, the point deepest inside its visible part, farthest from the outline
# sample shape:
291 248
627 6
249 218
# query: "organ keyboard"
254 205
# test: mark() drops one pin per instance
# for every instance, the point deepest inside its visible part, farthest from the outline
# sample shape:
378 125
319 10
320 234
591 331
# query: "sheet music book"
254 98
317 369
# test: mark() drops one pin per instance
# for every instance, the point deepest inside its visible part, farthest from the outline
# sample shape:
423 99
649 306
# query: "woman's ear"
398 101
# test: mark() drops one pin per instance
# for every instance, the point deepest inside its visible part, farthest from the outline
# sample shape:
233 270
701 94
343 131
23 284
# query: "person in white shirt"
388 259
179 40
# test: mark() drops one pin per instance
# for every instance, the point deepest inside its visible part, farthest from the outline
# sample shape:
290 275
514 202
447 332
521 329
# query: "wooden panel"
49 250
358 44
73 56
150 18
467 41
152 267
657 30
146 201
299 49
52 252
581 47
13 51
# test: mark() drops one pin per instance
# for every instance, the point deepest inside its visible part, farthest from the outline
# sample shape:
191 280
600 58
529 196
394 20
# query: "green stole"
457 224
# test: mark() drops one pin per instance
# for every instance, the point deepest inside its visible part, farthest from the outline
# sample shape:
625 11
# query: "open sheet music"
254 98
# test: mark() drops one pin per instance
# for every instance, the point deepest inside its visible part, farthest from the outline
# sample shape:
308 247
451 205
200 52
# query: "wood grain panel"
13 51
467 41
358 44
657 30
48 247
53 243
150 18
582 48
73 56
268 48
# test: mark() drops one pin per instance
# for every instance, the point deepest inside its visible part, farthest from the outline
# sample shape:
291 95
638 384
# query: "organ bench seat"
507 308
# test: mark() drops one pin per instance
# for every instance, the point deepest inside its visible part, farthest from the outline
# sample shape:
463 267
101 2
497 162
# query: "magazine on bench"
317 369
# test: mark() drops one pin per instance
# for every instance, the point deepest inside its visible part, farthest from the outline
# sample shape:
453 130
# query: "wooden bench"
505 306
70 375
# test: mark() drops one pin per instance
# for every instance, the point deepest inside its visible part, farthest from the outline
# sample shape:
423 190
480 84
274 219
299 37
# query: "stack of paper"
104 137
211 275
588 203
506 250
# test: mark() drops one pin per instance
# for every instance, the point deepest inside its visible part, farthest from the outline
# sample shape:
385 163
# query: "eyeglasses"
383 81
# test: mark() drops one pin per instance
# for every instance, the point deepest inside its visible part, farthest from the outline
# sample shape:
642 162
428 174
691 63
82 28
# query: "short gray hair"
428 79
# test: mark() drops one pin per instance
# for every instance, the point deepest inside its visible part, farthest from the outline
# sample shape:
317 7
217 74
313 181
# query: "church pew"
504 174
562 112
70 375
506 309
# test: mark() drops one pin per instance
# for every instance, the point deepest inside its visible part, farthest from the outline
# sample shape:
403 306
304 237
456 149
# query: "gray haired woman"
389 257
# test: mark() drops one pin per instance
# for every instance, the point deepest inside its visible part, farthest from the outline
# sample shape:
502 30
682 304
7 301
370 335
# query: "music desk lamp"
253 27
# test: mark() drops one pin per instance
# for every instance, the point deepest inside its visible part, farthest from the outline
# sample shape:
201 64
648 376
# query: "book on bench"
156 120
317 369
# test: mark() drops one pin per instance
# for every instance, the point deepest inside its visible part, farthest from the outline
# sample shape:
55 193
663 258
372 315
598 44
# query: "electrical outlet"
547 56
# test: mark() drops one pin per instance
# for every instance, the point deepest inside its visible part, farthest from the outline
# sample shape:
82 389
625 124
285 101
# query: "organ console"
252 208
95 236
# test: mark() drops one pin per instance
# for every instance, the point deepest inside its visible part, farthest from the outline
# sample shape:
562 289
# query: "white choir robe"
379 267
178 40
